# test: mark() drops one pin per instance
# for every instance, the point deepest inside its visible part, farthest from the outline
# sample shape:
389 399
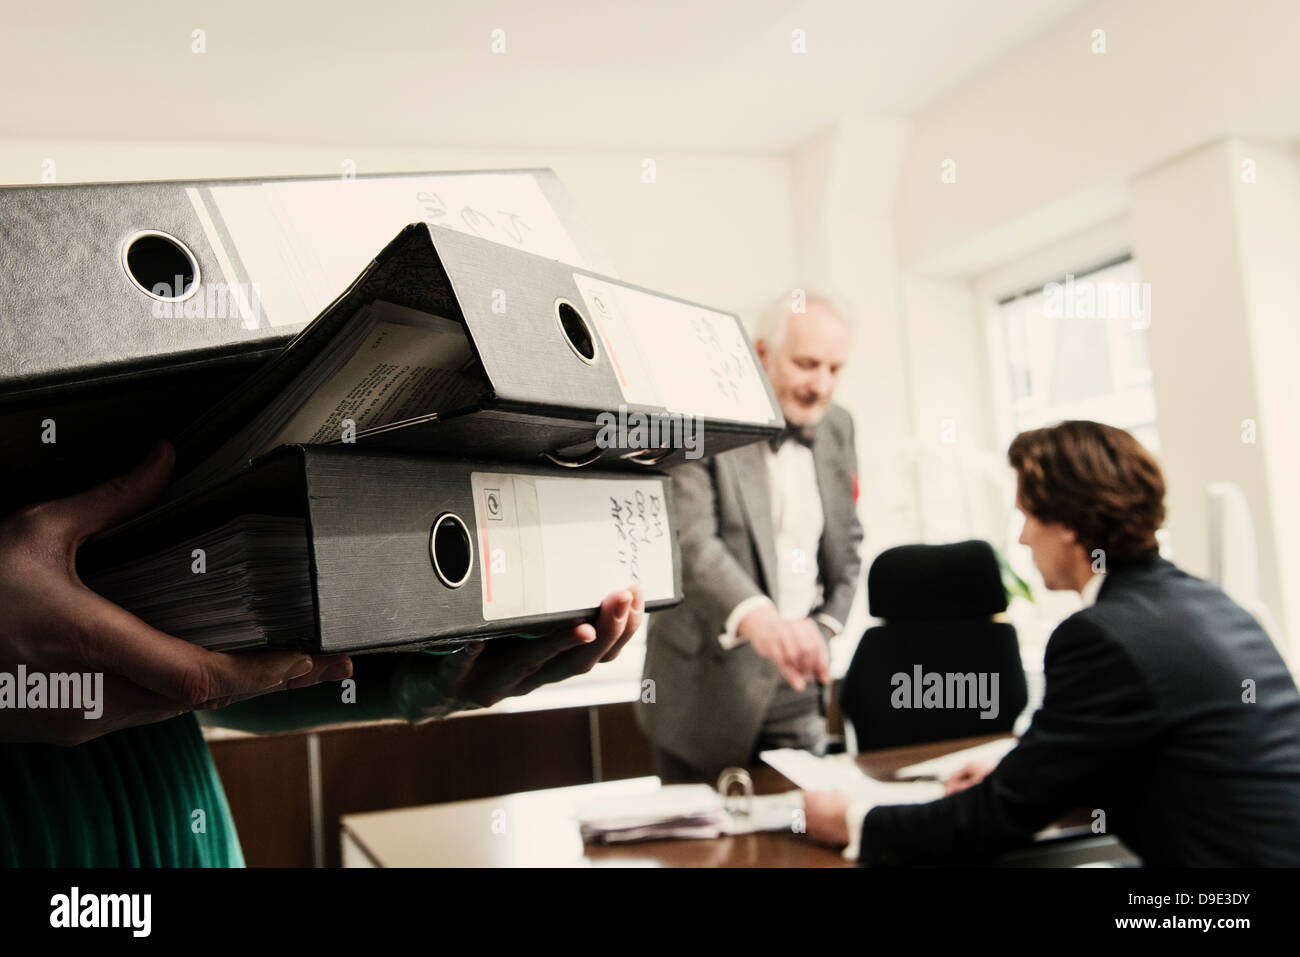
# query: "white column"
1217 235
844 185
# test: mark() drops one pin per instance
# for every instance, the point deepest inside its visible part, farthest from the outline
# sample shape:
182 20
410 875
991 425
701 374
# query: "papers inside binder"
388 364
246 584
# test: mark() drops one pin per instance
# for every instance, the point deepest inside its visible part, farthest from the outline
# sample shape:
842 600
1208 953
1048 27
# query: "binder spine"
412 551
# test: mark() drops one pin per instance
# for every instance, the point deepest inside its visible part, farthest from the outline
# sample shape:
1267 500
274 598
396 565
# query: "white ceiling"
668 74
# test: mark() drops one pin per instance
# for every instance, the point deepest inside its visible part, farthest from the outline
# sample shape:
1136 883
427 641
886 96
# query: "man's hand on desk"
794 645
483 673
968 776
827 813
826 817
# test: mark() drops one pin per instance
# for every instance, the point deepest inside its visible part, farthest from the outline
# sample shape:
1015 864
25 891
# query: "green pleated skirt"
144 797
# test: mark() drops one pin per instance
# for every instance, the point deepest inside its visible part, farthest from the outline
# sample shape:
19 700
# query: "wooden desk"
883 764
538 829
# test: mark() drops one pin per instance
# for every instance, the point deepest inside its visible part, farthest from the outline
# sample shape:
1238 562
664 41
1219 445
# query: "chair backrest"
939 667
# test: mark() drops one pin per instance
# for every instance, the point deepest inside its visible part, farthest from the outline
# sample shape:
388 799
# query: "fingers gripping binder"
335 550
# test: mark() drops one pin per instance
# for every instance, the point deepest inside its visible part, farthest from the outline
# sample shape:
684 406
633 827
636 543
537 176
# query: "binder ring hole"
648 457
160 266
576 331
452 550
573 461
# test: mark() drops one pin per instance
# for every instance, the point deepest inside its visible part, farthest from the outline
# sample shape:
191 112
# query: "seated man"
1167 708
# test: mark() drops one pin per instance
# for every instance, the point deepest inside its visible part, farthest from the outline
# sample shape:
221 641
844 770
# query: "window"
1076 348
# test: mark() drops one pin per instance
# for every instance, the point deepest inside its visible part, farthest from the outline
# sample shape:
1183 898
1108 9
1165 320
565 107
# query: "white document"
678 811
562 544
685 811
685 358
767 812
670 802
304 242
390 363
838 772
408 364
947 765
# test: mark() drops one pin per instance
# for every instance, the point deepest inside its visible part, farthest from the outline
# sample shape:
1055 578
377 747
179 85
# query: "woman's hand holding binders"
74 666
482 673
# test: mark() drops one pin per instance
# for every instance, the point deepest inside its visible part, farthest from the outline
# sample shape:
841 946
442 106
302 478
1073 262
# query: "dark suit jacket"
1143 718
709 703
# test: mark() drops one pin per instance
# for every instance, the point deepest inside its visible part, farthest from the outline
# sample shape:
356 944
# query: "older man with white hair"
769 539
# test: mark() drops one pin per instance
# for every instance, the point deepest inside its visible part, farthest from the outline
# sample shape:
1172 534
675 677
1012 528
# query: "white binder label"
563 544
303 242
685 358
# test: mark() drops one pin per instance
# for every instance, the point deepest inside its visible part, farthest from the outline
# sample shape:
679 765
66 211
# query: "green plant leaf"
1013 584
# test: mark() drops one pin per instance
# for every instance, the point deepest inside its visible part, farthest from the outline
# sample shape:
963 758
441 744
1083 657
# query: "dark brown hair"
1094 479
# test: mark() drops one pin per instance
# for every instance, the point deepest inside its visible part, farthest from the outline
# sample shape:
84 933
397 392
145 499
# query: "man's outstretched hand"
53 623
825 817
794 645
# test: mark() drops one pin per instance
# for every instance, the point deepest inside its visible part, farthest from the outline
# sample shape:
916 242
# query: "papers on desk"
684 812
945 766
766 812
839 772
681 811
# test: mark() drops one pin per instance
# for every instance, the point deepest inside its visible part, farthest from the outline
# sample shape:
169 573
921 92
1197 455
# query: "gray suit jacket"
709 703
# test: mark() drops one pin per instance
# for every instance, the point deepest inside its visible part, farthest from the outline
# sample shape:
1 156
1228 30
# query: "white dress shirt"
797 525
1089 591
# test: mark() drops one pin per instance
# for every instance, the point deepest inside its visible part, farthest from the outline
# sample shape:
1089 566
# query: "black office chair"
937 603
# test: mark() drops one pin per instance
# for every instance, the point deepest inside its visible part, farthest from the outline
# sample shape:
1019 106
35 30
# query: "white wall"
844 183
1049 138
716 229
1268 227
1224 343
1058 142
959 471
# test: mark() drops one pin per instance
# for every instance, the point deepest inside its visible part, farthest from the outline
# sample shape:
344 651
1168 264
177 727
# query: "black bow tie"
803 434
